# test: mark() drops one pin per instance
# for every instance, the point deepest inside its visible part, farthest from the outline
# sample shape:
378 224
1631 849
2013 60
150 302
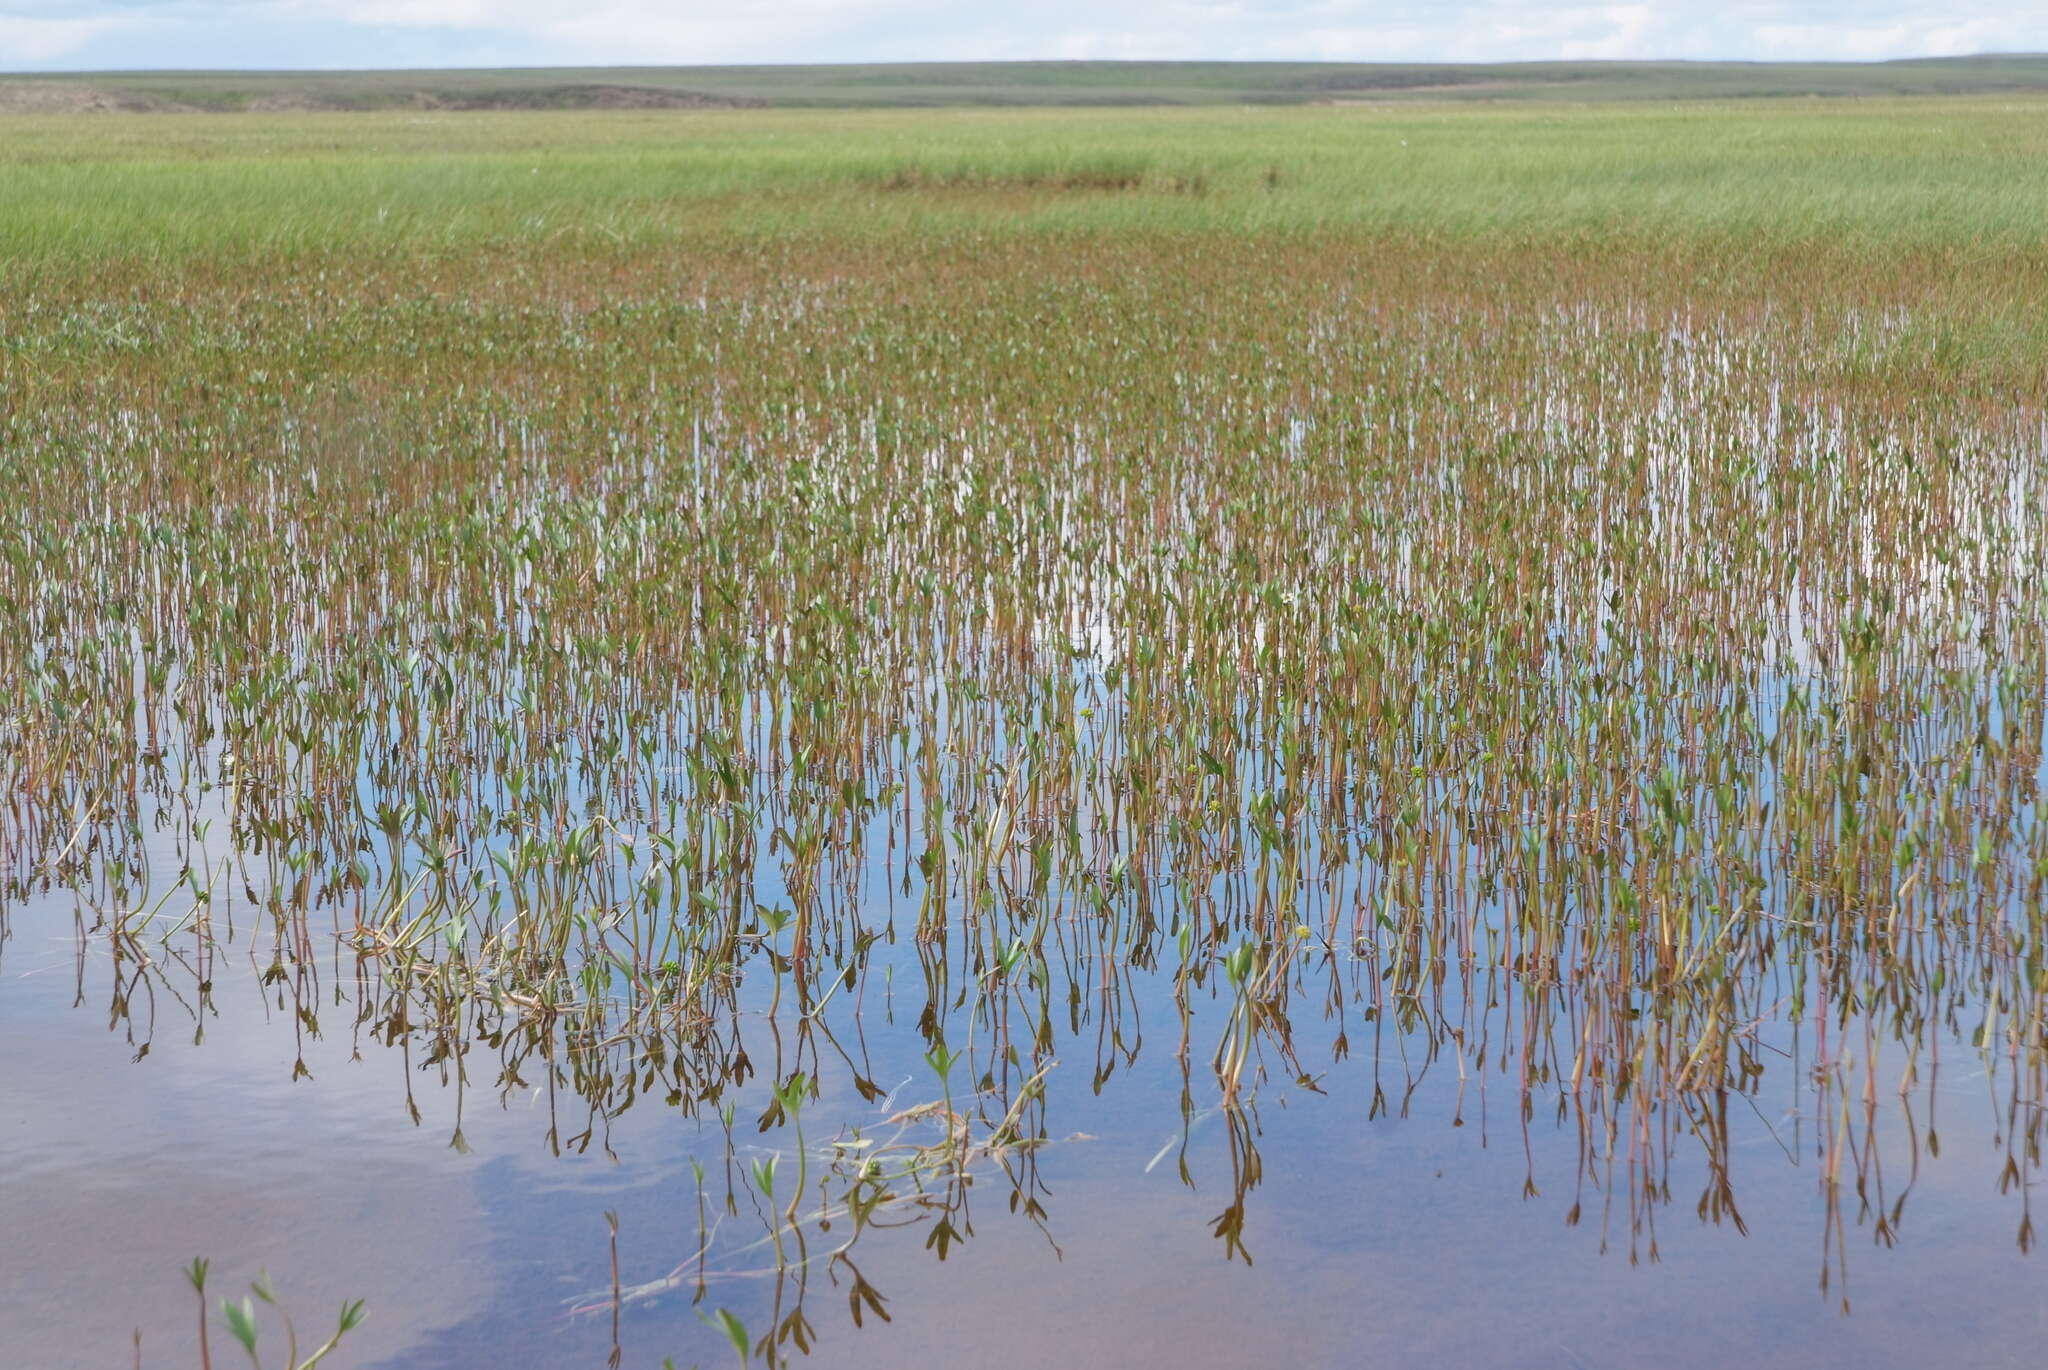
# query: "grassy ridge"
1034 83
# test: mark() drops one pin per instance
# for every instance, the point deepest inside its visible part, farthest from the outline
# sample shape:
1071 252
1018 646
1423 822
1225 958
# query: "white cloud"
1931 35
29 40
407 14
285 33
1616 31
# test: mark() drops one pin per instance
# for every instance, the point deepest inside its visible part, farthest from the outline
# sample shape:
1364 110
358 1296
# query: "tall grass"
1951 175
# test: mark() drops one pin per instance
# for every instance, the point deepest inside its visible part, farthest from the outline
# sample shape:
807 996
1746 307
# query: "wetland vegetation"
735 712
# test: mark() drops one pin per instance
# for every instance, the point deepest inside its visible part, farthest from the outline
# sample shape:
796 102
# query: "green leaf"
241 1319
791 1095
735 1330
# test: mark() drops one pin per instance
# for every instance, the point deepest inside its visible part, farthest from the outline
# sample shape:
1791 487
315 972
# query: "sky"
86 35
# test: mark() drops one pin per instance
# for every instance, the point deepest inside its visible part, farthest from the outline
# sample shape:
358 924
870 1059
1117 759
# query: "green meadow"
1904 174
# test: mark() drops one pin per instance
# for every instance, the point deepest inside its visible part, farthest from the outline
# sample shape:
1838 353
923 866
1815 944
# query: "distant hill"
956 84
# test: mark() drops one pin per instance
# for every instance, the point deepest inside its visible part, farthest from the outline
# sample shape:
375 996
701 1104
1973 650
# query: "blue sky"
53 35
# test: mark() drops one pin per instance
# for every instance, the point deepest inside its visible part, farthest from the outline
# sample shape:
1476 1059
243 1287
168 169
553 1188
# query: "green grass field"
1933 201
1939 174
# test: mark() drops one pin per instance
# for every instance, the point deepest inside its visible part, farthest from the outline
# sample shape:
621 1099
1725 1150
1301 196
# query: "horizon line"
49 72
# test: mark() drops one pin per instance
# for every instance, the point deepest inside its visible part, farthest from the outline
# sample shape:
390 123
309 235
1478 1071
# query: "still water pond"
1387 1193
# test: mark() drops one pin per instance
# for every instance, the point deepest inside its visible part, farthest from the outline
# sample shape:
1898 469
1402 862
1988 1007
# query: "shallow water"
1446 1233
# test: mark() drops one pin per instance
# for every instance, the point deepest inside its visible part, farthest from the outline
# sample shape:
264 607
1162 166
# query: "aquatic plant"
1612 674
242 1322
